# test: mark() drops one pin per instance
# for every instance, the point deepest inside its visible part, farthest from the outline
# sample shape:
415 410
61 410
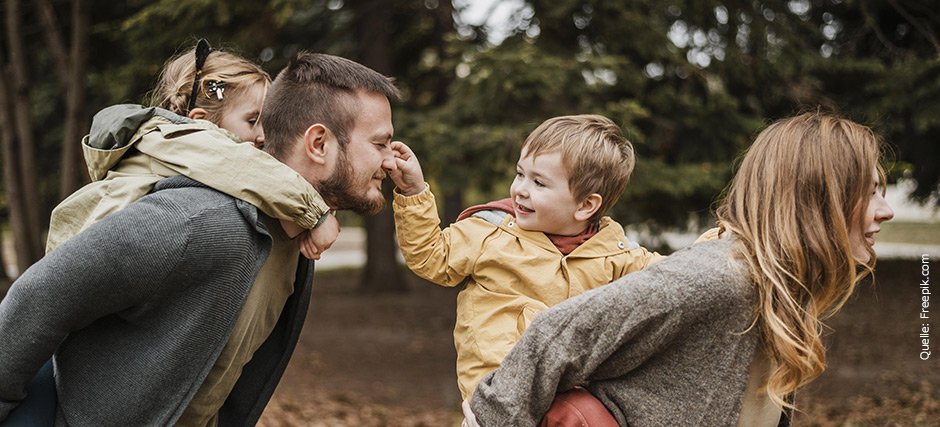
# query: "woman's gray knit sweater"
665 346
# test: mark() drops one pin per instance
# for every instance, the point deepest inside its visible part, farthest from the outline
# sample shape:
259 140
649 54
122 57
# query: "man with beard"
184 307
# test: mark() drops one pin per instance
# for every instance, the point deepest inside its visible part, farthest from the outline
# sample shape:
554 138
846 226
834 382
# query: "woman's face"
876 212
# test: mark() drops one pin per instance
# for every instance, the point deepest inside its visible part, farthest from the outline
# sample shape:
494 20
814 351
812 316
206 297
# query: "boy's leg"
577 407
39 406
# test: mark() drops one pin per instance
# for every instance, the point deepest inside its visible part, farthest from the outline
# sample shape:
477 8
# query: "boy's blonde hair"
595 154
792 204
175 84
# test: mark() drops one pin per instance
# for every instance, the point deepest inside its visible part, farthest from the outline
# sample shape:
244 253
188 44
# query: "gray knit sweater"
137 308
660 347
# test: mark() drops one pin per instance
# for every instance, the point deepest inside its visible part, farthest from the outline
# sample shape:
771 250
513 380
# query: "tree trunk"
31 247
70 70
4 277
443 25
74 172
11 173
381 273
453 206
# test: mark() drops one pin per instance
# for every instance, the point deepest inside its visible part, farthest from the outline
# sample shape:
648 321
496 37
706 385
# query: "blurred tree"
689 81
371 25
20 174
883 66
70 66
692 81
4 277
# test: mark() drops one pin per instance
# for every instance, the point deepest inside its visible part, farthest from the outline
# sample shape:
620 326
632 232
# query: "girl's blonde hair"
175 84
800 187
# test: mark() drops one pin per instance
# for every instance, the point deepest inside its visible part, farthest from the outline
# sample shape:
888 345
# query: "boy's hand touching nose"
407 174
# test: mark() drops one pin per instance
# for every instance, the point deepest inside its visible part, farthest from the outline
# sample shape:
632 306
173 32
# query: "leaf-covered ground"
388 360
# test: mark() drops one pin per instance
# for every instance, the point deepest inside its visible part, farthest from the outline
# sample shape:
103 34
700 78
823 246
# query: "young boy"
550 241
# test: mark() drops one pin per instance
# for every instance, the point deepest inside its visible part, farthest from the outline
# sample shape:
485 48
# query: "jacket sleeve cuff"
315 214
421 198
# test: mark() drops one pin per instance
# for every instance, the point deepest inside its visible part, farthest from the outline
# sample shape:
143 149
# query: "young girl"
130 148
721 333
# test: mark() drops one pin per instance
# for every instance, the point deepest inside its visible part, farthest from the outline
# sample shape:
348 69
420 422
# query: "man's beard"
338 193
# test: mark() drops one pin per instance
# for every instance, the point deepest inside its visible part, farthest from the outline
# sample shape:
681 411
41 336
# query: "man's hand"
469 420
316 241
407 174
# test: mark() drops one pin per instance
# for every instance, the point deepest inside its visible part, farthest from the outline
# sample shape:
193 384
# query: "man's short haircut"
317 88
594 152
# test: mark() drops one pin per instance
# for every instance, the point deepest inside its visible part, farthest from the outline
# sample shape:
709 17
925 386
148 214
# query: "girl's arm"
237 169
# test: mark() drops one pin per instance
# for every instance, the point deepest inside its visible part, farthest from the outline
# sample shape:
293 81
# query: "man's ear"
588 207
198 114
316 145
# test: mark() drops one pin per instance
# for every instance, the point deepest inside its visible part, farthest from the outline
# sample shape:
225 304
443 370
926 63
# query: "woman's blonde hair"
800 187
175 84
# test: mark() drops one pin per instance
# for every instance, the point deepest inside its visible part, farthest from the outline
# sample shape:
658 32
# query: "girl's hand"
316 241
407 174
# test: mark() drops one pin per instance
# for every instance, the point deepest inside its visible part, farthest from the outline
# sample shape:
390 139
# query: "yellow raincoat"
510 275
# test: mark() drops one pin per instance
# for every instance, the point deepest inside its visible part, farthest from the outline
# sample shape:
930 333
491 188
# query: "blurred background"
690 82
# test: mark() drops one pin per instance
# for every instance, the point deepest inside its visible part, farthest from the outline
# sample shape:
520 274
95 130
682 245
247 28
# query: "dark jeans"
39 406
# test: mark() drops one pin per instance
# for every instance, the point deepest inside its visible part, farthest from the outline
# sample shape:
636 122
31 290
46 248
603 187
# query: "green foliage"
690 82
661 196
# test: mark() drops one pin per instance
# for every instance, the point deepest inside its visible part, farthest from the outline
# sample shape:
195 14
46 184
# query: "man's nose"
388 162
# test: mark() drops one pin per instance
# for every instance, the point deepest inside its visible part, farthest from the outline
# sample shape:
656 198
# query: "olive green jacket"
131 148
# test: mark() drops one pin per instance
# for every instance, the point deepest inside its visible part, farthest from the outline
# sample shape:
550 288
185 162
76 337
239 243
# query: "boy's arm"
237 169
444 256
638 259
642 258
710 234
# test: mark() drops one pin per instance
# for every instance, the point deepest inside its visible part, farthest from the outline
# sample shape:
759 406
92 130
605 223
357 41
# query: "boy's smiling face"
541 198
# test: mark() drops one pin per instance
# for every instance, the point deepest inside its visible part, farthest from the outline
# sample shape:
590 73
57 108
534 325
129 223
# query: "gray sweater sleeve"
602 334
112 268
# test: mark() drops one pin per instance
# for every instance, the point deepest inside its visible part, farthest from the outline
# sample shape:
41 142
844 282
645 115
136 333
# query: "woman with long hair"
723 332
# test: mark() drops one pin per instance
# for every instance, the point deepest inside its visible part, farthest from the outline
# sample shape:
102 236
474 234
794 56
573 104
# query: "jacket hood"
114 130
113 127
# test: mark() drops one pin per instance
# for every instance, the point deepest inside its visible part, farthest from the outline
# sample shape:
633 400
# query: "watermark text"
924 314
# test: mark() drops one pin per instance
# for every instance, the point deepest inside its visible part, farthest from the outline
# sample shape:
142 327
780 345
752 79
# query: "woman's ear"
198 114
588 207
316 145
